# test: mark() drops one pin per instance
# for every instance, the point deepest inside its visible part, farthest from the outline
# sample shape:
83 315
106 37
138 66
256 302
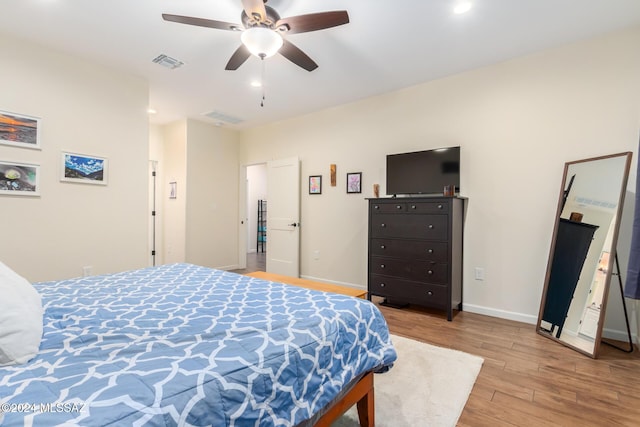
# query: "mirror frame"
614 242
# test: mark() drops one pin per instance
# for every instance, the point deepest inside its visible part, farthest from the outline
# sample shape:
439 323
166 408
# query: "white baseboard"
533 320
335 282
228 267
619 335
502 314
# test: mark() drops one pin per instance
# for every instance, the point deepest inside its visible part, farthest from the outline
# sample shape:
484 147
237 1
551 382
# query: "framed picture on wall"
354 182
84 169
315 184
19 130
173 190
19 179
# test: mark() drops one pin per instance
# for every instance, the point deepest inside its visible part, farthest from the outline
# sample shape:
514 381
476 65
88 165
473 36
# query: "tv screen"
423 172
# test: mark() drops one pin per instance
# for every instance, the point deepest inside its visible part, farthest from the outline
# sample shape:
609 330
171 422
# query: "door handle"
295 224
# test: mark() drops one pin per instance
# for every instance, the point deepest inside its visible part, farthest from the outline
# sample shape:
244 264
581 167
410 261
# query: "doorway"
257 211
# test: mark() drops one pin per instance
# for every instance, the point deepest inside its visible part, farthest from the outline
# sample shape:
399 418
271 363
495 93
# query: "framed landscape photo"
315 184
19 130
84 169
19 179
354 182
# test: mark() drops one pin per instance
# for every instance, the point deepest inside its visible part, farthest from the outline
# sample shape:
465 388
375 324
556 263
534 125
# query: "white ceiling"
387 45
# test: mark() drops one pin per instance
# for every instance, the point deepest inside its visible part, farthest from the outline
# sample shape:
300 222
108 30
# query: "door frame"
243 218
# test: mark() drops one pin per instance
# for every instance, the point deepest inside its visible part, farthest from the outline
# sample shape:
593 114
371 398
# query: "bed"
182 344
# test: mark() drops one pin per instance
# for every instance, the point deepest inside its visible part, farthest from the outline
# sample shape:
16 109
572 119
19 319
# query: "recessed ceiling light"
151 111
256 83
462 7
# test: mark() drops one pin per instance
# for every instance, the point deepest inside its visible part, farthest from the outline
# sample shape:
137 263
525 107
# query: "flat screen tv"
423 172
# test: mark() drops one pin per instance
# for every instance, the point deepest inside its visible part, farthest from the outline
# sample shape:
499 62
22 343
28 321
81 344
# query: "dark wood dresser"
415 251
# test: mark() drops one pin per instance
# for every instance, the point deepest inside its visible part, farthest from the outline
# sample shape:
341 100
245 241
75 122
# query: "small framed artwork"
19 130
19 179
173 190
354 182
315 184
84 169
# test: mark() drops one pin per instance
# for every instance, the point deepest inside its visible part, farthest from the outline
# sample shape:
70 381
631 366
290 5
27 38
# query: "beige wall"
200 225
212 196
174 169
517 123
88 109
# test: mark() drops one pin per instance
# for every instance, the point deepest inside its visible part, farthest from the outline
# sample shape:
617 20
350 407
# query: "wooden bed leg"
366 410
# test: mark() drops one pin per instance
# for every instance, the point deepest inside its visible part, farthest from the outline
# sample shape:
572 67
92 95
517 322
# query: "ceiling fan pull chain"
263 82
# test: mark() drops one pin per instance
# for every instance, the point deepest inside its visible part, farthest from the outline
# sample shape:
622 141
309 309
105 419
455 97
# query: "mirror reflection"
583 250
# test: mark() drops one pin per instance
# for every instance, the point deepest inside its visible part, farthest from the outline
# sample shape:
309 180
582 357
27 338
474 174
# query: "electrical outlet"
86 270
479 273
316 255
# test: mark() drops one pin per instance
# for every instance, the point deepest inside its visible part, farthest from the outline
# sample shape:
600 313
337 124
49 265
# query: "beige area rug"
427 386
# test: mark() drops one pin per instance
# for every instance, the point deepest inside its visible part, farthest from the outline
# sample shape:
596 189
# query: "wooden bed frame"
362 395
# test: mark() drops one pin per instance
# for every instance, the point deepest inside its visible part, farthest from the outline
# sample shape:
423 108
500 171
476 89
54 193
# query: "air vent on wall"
222 117
168 62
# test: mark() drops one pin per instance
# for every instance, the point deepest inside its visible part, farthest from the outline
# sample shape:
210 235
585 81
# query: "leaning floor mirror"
583 251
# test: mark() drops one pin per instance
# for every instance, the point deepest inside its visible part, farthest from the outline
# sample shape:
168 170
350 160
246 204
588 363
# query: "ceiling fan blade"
200 22
255 9
298 57
238 58
313 21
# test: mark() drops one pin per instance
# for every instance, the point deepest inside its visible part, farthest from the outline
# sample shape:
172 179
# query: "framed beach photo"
19 179
19 130
354 182
315 184
84 169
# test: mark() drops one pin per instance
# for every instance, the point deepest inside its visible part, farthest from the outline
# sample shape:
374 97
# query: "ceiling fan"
262 31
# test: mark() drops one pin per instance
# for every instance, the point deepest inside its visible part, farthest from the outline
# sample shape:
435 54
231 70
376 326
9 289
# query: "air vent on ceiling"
168 62
222 117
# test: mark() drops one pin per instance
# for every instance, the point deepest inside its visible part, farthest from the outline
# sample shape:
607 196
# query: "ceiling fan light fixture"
462 7
262 42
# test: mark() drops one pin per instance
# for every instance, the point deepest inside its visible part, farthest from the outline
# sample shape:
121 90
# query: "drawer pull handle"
398 207
429 272
413 206
430 251
439 206
430 226
382 285
430 293
381 265
383 225
383 247
376 207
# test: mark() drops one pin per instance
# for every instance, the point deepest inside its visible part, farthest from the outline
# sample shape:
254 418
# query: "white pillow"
20 318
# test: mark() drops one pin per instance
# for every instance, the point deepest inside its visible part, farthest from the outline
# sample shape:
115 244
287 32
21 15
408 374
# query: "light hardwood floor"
526 379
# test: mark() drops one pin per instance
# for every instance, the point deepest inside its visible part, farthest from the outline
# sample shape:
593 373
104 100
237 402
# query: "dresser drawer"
399 207
417 249
432 227
408 291
420 271
428 207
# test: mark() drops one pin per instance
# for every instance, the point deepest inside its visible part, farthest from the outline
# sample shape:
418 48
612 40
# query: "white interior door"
283 217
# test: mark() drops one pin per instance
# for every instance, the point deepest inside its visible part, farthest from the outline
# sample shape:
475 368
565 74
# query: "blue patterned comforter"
186 345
